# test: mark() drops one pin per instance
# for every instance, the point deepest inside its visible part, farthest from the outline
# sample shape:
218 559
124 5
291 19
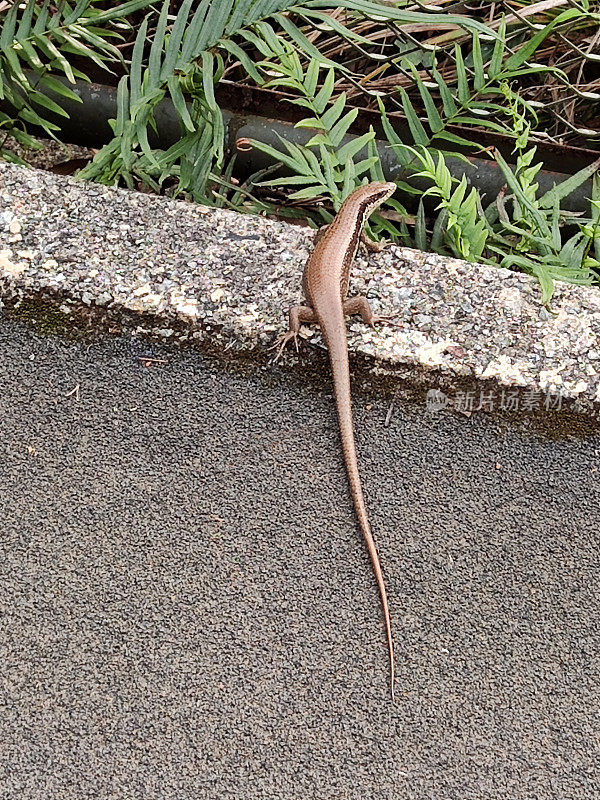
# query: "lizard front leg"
371 245
297 315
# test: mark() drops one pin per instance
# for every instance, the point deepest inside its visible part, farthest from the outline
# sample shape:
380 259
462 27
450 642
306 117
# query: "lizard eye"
380 197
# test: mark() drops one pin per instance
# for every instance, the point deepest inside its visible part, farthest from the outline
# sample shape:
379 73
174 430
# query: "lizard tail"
338 354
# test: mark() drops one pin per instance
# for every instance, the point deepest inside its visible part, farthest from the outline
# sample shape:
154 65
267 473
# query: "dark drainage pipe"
88 125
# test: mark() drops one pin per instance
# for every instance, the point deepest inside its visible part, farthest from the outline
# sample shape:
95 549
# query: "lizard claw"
377 247
371 245
382 318
281 343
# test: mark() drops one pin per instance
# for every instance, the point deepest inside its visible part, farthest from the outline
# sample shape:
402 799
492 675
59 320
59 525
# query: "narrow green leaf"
44 44
8 28
311 78
333 113
546 282
297 153
179 102
313 163
421 228
416 128
239 17
317 139
308 193
194 32
542 243
446 95
389 131
335 25
464 93
365 164
460 141
350 174
39 98
277 45
499 45
135 73
244 59
24 28
350 149
25 139
292 180
555 226
459 192
29 115
566 187
308 122
387 11
69 44
31 56
208 79
54 85
573 251
340 129
303 102
156 49
376 171
142 136
531 45
122 106
479 80
174 42
520 195
433 117
328 170
305 45
218 136
278 155
292 83
122 11
145 104
76 13
520 73
213 28
479 122
15 66
322 98
439 232
42 19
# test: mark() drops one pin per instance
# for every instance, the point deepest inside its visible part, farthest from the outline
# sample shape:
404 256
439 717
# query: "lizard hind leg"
360 305
297 315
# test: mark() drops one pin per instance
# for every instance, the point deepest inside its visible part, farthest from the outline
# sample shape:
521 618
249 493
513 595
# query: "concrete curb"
227 278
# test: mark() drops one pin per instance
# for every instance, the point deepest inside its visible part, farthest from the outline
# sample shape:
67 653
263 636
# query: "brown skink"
325 284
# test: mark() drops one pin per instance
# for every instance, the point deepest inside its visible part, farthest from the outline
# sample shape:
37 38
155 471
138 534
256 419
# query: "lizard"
325 285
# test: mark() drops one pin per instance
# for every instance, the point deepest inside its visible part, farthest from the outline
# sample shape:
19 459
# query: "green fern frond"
326 167
36 44
181 64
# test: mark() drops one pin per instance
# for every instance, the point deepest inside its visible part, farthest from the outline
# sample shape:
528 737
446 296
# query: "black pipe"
88 125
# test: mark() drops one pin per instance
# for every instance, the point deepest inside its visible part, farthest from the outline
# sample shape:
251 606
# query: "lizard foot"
382 318
371 245
282 342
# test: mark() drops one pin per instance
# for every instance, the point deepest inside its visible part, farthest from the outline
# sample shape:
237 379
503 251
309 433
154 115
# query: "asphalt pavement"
187 609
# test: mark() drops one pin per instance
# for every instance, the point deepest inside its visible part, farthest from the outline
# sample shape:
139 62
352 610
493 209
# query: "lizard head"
367 198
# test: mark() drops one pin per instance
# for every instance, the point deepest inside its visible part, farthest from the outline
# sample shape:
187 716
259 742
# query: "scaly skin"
325 283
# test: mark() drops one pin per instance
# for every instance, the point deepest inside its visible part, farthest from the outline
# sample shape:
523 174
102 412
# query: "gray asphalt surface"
187 610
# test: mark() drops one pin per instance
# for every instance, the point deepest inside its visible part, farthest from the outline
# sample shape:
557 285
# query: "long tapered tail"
334 333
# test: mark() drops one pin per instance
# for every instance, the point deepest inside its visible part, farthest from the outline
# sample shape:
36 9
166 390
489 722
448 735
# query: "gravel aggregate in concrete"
229 278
